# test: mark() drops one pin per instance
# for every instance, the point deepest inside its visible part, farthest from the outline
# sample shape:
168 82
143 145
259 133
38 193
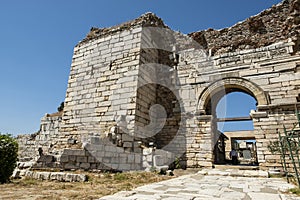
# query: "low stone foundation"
56 176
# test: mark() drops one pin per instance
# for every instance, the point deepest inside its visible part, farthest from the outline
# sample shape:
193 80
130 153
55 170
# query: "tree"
61 107
8 156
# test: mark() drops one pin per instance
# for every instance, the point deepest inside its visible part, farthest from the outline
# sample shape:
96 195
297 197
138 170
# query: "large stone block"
69 166
81 159
127 144
127 138
64 158
75 152
72 158
85 166
43 175
91 159
46 159
137 158
70 177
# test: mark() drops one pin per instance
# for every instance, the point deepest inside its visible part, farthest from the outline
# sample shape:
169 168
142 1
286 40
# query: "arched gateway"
219 88
207 104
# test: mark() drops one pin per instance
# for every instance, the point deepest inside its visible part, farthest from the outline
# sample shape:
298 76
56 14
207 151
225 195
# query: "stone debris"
24 169
275 24
56 176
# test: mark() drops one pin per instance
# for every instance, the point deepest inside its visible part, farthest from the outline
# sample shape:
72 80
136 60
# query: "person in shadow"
234 156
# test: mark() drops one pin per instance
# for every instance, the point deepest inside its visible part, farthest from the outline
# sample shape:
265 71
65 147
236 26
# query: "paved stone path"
212 184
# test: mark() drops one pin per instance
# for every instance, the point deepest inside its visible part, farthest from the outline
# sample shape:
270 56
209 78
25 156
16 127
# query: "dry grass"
97 186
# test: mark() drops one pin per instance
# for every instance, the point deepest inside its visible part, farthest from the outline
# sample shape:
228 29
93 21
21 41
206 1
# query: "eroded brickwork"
46 138
273 25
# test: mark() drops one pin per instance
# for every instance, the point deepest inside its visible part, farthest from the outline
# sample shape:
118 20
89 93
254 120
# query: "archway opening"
233 122
207 104
233 112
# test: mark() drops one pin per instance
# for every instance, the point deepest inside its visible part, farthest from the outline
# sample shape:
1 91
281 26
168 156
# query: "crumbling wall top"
56 114
146 20
278 23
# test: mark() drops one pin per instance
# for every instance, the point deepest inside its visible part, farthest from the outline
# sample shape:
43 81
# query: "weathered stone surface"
57 176
218 185
272 25
85 166
16 174
46 159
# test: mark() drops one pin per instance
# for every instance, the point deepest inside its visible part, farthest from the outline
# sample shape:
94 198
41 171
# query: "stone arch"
224 86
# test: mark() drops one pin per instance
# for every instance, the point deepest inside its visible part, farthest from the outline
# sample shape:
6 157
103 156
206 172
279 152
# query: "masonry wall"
45 138
267 130
102 85
157 120
146 91
273 70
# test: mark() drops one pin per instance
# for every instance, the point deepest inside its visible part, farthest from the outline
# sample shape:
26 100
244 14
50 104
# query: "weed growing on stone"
295 191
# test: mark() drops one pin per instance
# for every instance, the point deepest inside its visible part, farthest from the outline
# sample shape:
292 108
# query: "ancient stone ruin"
141 95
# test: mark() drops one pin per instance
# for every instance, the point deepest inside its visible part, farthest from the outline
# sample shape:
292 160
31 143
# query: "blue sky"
235 104
37 38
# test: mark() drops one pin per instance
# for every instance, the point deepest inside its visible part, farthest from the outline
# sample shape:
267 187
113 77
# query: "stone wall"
266 130
45 138
141 85
102 85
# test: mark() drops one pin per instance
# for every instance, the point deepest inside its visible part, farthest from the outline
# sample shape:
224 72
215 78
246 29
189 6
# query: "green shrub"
8 156
120 177
295 191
